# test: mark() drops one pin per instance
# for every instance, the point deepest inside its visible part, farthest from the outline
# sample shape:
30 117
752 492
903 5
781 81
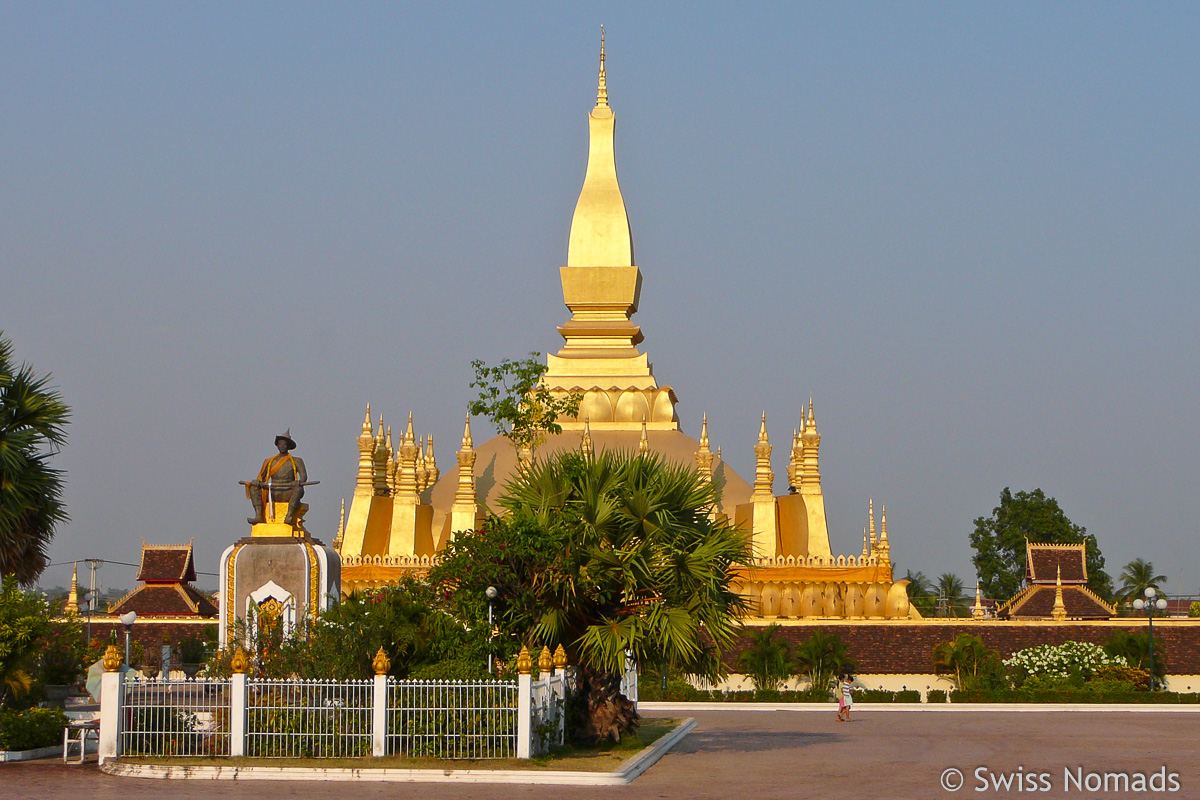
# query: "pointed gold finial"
379 430
602 86
585 443
524 661
1059 612
73 596
431 461
977 611
704 432
871 517
239 663
381 663
366 428
718 452
866 543
408 434
112 659
545 661
762 430
467 442
812 418
644 442
560 657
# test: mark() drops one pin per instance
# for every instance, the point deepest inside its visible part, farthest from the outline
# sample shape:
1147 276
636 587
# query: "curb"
626 773
937 708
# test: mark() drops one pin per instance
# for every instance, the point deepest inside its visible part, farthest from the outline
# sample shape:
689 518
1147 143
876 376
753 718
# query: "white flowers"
1061 661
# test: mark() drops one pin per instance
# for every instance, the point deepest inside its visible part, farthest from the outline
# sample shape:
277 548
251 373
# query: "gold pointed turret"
1059 612
585 442
601 285
704 456
73 595
464 511
644 442
977 612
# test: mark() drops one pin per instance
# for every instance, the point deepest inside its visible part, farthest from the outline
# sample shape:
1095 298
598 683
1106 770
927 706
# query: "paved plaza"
882 754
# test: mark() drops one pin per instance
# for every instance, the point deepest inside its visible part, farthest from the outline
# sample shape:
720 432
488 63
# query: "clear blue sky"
969 230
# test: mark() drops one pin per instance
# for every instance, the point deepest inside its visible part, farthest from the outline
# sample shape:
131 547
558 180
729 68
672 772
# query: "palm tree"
950 596
1138 576
644 571
32 420
965 657
823 656
766 660
919 591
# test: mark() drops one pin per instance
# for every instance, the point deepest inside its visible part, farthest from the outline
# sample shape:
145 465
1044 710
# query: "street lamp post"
127 620
1150 604
87 598
492 593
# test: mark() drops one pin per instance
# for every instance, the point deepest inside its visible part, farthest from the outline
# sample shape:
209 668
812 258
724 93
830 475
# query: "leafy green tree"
999 543
920 592
32 428
24 622
630 562
419 638
1138 576
513 397
968 658
950 601
823 656
767 660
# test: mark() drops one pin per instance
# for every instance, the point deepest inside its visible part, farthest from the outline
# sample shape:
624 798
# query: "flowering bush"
1069 660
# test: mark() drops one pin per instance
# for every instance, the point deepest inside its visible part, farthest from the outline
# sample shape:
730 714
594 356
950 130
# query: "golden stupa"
404 509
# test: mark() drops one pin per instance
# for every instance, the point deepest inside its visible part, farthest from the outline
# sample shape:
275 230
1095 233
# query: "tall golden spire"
379 461
704 456
871 516
977 611
602 86
464 510
1059 612
883 549
764 478
73 596
341 531
365 481
431 461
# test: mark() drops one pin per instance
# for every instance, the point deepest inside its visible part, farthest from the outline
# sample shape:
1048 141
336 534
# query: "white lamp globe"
1161 604
1139 604
1150 591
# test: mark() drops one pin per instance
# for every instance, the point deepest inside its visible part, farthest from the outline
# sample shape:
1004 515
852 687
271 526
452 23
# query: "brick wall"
906 647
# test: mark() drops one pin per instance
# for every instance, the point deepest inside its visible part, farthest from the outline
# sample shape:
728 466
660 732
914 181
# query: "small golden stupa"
404 510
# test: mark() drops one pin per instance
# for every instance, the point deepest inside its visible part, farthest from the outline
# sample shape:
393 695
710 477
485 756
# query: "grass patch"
600 758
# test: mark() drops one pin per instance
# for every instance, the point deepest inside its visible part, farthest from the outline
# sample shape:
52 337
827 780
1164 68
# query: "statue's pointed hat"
287 437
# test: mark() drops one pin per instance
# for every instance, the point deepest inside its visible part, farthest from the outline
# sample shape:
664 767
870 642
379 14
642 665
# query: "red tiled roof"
167 562
1038 601
174 600
1043 562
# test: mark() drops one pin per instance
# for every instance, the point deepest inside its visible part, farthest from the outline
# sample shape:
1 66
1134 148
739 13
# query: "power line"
109 561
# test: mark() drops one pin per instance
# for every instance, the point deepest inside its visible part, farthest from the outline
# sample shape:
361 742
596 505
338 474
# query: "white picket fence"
333 719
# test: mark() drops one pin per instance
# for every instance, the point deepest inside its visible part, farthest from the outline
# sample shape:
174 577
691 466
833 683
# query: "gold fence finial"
381 663
239 663
560 657
524 662
545 661
112 659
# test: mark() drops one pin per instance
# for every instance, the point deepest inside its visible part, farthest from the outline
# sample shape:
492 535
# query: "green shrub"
885 696
1044 664
1194 609
937 696
28 730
